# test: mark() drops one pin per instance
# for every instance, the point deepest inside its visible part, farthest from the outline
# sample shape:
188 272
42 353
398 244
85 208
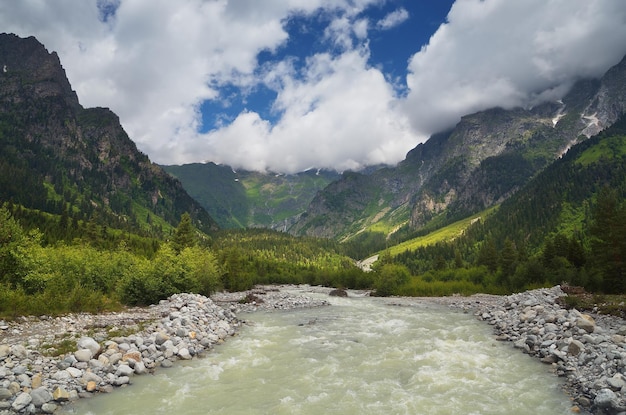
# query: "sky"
290 85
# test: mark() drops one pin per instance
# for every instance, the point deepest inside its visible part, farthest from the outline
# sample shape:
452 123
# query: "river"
358 356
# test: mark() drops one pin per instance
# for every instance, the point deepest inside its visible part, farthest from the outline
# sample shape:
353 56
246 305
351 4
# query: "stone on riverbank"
587 350
98 366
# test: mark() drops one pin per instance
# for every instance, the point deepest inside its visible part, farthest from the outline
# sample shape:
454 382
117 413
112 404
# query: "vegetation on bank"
104 269
568 225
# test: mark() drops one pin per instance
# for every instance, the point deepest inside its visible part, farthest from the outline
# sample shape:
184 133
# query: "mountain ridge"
78 160
483 160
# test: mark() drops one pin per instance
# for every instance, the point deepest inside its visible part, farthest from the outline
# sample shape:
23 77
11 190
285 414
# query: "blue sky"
288 85
410 23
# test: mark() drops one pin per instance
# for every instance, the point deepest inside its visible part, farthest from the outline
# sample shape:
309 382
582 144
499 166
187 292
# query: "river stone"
184 354
14 388
88 343
161 338
140 368
133 354
62 375
36 381
5 394
605 398
124 370
22 401
5 350
91 377
586 323
115 357
617 382
91 386
60 394
575 347
122 380
83 355
19 351
75 373
48 408
40 396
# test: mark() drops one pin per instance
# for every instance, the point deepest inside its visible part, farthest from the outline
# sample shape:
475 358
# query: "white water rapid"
358 356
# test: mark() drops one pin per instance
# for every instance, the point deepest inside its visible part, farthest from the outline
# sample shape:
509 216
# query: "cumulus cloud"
154 62
510 53
333 116
393 19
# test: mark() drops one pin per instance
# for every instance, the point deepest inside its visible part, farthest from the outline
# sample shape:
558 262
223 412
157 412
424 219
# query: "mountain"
567 225
59 157
243 199
481 162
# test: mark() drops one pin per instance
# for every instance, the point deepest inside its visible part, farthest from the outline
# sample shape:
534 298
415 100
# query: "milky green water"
358 356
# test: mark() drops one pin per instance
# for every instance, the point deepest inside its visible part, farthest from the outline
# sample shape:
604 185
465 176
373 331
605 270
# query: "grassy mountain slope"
251 199
567 225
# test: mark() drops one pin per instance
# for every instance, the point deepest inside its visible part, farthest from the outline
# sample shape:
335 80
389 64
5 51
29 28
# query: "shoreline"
106 350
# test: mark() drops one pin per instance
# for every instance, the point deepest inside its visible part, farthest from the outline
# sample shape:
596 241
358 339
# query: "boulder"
605 398
21 402
40 396
89 343
586 323
575 347
5 350
60 394
83 355
5 394
339 292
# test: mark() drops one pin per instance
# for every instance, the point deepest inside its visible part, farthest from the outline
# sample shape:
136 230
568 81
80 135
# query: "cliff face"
75 157
29 72
485 159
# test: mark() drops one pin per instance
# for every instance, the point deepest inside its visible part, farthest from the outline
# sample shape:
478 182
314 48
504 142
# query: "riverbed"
360 355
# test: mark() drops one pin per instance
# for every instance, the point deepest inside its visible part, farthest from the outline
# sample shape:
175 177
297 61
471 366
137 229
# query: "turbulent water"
358 356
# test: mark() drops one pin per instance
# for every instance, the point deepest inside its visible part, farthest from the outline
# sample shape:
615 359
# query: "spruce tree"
185 234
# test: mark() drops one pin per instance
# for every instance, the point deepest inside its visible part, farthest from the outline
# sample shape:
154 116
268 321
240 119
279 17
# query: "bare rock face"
29 71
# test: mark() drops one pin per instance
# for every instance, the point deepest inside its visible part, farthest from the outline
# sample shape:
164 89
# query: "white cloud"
393 19
333 117
154 62
511 53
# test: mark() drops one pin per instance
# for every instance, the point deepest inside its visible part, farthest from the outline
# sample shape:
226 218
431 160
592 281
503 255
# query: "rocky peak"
609 102
26 67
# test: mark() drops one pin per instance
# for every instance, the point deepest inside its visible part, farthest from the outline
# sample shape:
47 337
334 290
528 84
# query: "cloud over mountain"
155 63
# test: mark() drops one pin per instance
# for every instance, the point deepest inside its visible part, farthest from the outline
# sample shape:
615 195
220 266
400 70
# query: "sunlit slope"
444 234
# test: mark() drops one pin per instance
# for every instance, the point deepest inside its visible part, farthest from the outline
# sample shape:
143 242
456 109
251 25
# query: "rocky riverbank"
589 351
105 351
46 362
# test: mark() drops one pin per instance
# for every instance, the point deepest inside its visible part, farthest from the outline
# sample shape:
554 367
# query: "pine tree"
608 240
185 234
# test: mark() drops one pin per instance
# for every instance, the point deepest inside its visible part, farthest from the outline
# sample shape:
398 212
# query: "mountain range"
481 162
61 158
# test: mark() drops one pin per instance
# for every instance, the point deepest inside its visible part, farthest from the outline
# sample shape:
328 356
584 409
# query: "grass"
613 305
447 233
609 148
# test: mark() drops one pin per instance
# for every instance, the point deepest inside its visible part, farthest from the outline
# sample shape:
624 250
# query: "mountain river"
358 356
